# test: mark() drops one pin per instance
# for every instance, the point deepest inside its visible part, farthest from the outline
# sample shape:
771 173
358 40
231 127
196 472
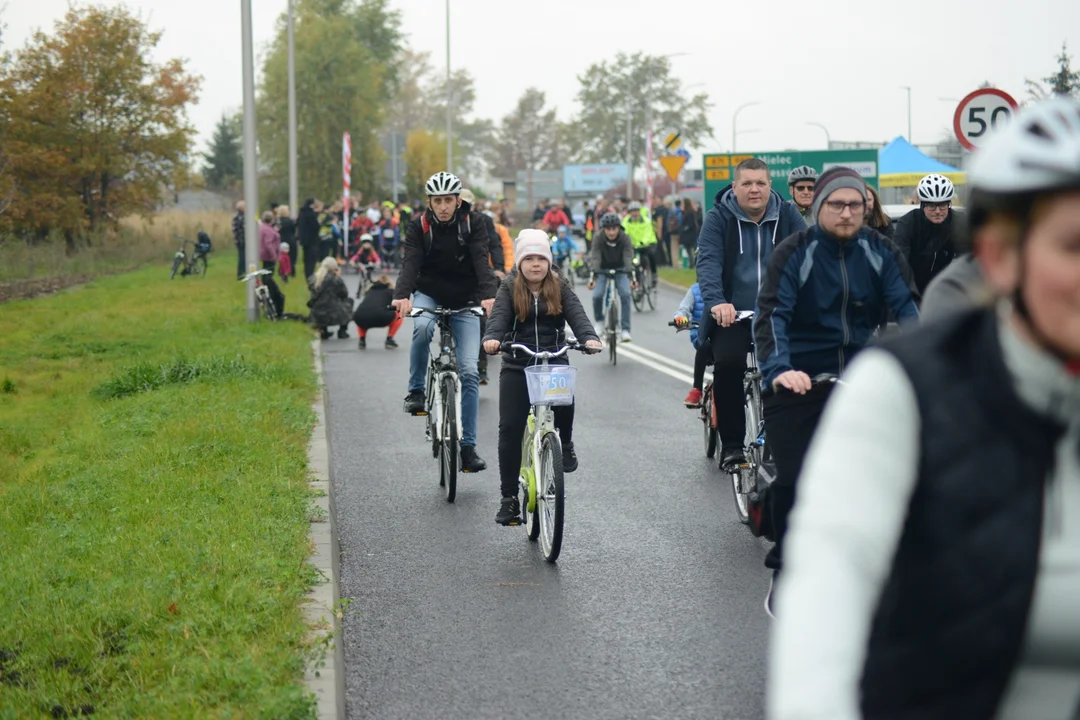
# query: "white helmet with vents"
936 188
1038 150
443 183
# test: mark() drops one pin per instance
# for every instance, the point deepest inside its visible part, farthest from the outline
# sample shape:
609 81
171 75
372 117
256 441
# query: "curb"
328 681
673 286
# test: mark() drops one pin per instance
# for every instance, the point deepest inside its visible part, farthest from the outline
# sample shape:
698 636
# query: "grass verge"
679 276
154 502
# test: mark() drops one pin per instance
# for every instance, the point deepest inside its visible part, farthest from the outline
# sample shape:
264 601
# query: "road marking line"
665 359
626 351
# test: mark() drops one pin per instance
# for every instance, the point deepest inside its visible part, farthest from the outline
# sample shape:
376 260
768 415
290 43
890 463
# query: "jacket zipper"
536 321
843 307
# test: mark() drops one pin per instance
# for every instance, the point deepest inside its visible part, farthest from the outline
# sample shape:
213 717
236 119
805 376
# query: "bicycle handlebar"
740 316
443 312
254 274
547 355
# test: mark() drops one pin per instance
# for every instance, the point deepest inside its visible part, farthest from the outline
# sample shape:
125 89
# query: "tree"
343 83
425 155
527 137
224 167
638 86
1064 82
472 138
95 129
409 110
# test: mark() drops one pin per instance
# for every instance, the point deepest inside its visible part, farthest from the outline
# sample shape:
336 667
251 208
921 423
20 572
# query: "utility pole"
908 88
251 190
629 156
449 99
393 164
294 195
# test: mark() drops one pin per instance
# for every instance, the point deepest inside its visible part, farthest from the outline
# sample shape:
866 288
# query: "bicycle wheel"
175 267
638 293
200 265
448 441
267 306
652 292
706 421
613 333
550 497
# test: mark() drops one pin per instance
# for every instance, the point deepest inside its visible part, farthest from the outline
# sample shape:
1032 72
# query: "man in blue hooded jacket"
737 238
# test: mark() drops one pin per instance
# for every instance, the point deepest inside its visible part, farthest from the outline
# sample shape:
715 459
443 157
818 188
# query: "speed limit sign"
979 113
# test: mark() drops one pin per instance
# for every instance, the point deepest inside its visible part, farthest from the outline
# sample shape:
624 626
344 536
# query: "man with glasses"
823 291
927 237
800 182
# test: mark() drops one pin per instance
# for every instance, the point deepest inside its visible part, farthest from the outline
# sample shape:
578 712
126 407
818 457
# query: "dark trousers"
648 254
702 358
311 258
514 410
327 248
730 346
240 257
481 362
790 422
294 256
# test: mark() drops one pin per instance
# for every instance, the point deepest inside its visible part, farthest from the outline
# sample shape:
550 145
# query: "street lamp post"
251 191
294 195
908 88
828 138
735 121
449 96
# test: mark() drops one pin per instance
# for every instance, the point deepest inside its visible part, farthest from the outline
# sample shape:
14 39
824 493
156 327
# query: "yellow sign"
736 159
672 141
717 174
673 164
912 179
716 161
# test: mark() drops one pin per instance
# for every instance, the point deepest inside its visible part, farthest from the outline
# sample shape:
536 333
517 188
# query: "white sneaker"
600 329
625 336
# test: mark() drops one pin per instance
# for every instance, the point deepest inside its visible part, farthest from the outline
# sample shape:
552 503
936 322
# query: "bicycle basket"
551 385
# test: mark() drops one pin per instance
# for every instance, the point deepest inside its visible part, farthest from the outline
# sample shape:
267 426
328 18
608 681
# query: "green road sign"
720 168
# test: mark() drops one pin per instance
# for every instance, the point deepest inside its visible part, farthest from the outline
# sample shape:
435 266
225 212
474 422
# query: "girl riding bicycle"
532 307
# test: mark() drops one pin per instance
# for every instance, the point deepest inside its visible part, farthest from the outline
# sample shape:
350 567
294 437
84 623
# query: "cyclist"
642 235
540 303
933 572
563 248
495 258
612 251
926 237
737 237
800 182
692 310
823 289
446 265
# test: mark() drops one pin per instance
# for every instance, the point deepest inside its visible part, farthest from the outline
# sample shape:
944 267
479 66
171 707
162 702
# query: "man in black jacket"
307 228
445 264
238 239
927 236
612 250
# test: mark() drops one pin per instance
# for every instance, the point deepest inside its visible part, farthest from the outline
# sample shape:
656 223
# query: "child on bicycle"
366 254
692 310
562 249
532 306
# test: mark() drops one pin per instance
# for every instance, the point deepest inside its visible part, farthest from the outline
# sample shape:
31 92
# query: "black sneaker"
470 461
509 512
342 334
362 344
569 458
391 343
732 457
414 403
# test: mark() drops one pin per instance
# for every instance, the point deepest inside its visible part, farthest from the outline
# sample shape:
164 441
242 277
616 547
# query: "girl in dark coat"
330 304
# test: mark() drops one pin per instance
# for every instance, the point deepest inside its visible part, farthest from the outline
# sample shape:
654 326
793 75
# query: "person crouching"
374 311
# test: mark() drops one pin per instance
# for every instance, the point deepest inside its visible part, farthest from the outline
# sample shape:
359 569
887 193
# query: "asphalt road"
654 609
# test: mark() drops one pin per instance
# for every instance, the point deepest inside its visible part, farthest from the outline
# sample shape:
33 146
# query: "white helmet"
366 237
803 172
1038 151
935 188
443 183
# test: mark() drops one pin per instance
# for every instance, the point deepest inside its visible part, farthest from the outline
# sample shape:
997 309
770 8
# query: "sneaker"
625 336
768 596
391 343
731 457
362 344
569 458
470 461
414 403
326 334
343 334
693 400
600 329
509 512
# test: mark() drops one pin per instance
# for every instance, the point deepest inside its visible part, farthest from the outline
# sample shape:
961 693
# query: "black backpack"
203 244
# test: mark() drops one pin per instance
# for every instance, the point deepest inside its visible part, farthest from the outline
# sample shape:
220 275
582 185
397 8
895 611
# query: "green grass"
679 276
154 503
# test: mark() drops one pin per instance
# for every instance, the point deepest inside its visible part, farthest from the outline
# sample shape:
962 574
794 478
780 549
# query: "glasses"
938 206
804 188
856 208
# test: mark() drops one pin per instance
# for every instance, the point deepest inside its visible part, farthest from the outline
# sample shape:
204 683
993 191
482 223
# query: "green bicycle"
541 474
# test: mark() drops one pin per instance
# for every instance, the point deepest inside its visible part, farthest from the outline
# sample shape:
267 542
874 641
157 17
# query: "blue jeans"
466 329
622 284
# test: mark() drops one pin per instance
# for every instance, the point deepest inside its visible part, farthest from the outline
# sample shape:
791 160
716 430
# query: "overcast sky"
832 62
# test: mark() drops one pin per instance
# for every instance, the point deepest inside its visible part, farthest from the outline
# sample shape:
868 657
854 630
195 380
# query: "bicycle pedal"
420 413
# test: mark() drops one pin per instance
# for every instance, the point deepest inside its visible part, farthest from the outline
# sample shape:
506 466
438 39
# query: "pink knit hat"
532 242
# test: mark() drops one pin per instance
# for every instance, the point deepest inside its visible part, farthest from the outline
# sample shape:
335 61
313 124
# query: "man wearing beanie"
825 289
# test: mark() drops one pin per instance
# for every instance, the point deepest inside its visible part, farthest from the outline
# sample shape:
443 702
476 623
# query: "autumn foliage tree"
94 129
425 155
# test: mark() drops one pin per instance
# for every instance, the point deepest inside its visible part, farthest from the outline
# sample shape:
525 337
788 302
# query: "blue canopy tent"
901 164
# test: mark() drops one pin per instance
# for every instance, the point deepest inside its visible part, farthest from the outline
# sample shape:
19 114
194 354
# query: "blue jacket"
693 307
561 247
733 250
821 301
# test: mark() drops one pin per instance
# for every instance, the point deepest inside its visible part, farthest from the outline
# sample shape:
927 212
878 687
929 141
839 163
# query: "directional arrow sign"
673 164
672 141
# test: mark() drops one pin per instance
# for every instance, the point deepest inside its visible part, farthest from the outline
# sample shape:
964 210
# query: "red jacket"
554 218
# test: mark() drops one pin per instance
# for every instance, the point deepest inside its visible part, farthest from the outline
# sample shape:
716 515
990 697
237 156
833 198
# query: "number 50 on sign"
979 113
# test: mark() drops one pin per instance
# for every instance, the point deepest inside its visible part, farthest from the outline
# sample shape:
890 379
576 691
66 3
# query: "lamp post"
294 195
908 88
449 97
828 138
251 191
735 121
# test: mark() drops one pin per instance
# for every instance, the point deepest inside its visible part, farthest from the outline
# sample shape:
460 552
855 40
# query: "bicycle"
646 290
262 294
366 270
541 450
442 398
195 264
564 265
611 313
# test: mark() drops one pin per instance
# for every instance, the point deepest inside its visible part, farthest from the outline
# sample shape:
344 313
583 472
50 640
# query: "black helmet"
610 220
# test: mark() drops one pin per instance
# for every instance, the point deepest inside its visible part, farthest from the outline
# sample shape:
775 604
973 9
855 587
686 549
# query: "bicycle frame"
439 367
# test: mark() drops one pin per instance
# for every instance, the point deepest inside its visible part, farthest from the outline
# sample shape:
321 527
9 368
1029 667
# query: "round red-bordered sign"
980 112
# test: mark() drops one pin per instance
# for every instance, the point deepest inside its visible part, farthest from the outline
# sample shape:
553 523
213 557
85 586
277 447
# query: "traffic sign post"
979 113
720 169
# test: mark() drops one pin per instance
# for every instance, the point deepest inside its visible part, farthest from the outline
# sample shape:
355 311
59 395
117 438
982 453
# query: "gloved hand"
682 321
